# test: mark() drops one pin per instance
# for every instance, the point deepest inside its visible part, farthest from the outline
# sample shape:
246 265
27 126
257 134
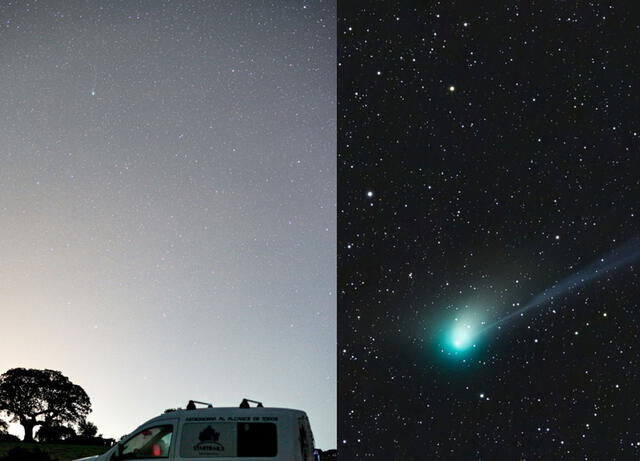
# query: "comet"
463 335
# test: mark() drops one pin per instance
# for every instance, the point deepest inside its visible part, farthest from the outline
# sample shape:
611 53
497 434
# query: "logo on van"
209 441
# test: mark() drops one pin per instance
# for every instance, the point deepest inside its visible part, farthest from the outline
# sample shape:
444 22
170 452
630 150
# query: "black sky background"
520 175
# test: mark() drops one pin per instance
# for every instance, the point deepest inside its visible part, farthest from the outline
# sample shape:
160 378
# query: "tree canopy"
35 397
87 429
55 433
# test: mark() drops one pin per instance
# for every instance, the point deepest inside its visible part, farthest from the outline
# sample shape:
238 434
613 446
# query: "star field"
486 153
167 203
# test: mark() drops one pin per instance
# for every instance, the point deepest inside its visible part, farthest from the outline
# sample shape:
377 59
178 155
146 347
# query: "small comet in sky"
95 80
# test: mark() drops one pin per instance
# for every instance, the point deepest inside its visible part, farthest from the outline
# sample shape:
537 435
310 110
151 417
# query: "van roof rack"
245 403
192 404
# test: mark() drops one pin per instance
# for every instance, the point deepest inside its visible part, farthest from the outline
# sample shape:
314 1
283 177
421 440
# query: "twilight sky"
173 235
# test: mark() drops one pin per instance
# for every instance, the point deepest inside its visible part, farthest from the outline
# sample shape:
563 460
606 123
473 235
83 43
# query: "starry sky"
487 154
168 203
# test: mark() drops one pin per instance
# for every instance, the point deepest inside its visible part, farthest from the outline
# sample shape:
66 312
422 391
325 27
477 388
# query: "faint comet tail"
95 81
617 259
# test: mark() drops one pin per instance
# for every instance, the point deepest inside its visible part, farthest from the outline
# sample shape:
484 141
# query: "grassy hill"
60 451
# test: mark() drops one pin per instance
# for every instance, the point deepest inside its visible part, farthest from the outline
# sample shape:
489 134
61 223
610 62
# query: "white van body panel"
294 437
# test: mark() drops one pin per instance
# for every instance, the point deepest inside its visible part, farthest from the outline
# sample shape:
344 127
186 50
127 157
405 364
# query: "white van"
245 433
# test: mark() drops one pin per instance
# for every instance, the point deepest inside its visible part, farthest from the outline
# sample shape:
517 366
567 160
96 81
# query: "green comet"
460 338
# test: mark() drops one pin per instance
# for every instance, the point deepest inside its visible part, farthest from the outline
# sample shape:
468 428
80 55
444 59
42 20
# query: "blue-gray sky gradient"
171 236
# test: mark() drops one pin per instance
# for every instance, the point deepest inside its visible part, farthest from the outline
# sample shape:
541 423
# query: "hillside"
61 452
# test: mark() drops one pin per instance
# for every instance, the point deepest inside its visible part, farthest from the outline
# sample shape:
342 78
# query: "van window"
229 440
257 439
153 442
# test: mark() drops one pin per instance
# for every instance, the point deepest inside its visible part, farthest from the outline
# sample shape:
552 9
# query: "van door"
155 441
305 439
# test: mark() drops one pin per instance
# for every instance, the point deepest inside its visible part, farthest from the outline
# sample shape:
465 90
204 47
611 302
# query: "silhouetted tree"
34 397
87 429
55 433
4 435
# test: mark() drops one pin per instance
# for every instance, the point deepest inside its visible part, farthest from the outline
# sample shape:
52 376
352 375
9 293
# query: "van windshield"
153 442
214 439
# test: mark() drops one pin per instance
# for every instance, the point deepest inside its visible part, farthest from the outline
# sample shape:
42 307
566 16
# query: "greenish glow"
460 337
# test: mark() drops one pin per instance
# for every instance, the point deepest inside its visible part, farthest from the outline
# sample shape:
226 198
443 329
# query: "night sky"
488 161
167 203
